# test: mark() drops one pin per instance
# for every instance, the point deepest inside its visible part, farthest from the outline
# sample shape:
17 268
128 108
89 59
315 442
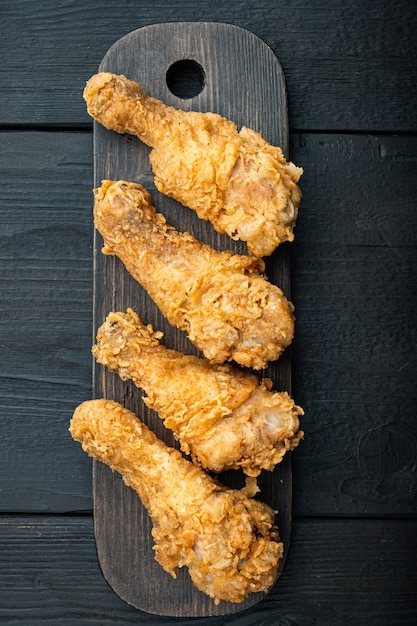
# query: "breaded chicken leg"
227 540
223 416
236 180
228 309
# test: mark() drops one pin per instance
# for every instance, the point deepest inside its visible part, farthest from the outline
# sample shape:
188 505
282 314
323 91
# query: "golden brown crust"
236 180
228 541
222 300
221 415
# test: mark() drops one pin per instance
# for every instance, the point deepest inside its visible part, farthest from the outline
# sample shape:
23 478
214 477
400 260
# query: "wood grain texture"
354 358
358 392
45 317
250 91
350 68
339 573
348 65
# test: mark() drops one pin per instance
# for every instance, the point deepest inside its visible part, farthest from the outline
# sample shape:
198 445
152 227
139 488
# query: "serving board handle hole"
204 67
185 78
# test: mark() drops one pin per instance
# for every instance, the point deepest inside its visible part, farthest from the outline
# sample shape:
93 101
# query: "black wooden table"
351 71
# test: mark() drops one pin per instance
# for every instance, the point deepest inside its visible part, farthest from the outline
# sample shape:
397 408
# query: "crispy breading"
227 540
229 310
222 415
236 180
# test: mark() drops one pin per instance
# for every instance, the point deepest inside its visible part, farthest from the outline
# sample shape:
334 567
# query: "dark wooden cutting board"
240 78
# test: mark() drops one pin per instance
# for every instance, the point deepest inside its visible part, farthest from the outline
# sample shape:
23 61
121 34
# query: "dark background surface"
351 73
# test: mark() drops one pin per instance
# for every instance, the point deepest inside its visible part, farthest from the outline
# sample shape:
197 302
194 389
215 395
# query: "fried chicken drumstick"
228 309
222 415
227 540
236 180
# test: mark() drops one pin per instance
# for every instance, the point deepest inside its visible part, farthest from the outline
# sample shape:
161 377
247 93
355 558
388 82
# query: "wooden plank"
122 525
358 190
45 318
354 389
349 66
339 573
354 264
